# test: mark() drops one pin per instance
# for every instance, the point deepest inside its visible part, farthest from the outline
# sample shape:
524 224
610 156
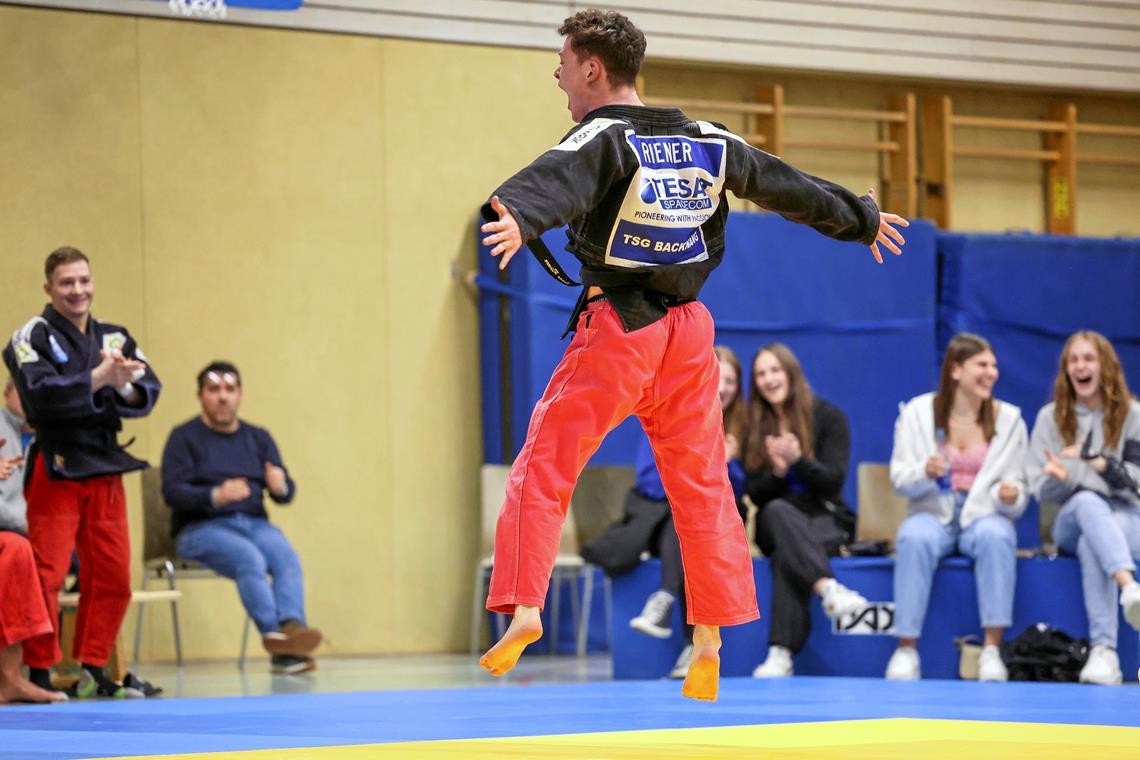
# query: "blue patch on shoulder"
57 351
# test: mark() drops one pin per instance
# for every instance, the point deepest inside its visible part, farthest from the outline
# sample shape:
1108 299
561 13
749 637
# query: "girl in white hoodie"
958 457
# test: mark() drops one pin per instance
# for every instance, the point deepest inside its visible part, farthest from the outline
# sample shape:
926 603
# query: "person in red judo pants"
22 611
644 193
78 377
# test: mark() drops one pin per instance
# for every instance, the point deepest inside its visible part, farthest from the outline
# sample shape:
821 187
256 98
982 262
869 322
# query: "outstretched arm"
563 183
777 186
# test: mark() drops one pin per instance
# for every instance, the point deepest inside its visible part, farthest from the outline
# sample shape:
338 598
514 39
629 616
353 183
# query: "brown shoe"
295 640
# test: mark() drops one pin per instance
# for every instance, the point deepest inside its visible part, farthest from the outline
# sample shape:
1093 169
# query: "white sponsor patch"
140 355
587 132
25 353
114 342
675 190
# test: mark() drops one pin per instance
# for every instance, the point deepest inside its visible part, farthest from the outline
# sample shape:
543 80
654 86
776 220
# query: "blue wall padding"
1047 591
865 333
1026 294
868 336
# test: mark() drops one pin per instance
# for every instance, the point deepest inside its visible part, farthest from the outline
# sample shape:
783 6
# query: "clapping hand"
275 480
784 451
9 465
731 447
115 370
230 491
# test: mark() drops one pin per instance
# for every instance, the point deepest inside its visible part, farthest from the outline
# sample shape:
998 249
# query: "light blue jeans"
247 549
991 542
1105 536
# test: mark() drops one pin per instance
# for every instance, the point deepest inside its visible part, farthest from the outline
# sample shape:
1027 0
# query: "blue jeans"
247 549
991 542
1105 536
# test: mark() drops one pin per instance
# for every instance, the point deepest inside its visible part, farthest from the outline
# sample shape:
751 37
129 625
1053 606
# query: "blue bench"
1048 590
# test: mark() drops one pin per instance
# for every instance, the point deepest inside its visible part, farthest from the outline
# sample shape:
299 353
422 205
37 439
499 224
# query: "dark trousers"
798 546
673 570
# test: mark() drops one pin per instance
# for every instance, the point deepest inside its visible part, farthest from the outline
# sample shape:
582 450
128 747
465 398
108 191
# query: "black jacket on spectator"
823 474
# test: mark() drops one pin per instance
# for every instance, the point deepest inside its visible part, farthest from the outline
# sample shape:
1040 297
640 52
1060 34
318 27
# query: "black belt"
666 300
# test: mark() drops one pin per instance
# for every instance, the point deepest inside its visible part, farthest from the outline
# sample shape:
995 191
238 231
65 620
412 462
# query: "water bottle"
944 483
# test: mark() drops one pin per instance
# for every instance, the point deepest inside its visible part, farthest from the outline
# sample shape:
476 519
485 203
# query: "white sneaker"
681 667
654 618
904 665
990 665
1130 602
1102 667
778 664
838 600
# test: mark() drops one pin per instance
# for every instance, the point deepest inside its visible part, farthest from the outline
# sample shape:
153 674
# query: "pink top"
964 465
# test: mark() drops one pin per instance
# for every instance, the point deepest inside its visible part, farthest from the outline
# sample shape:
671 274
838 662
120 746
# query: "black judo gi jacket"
643 191
51 362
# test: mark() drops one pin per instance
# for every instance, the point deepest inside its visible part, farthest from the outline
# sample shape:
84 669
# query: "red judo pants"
22 611
91 516
667 375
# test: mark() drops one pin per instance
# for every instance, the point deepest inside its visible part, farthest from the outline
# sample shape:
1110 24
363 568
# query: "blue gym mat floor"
800 717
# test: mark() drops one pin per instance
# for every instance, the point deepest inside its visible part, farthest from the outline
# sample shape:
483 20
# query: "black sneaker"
131 681
89 688
655 618
291 665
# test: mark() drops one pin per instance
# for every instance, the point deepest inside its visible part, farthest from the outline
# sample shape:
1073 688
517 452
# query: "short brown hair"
611 37
60 256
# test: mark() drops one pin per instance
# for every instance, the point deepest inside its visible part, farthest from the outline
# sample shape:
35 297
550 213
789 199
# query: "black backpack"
1044 653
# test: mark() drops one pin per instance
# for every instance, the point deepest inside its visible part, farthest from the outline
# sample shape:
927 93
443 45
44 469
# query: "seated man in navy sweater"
214 470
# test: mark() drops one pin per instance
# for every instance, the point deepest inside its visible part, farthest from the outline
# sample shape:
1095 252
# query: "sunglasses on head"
227 379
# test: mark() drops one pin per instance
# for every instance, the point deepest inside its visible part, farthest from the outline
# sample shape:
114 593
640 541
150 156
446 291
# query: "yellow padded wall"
293 202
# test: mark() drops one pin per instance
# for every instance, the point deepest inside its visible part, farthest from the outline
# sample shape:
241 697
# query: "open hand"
504 234
890 237
1054 468
1070 452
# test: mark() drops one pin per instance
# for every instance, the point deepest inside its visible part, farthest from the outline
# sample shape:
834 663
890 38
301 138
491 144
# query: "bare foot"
703 679
23 690
525 628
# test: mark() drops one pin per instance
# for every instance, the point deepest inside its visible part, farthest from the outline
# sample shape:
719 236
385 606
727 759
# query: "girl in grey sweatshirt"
1078 459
